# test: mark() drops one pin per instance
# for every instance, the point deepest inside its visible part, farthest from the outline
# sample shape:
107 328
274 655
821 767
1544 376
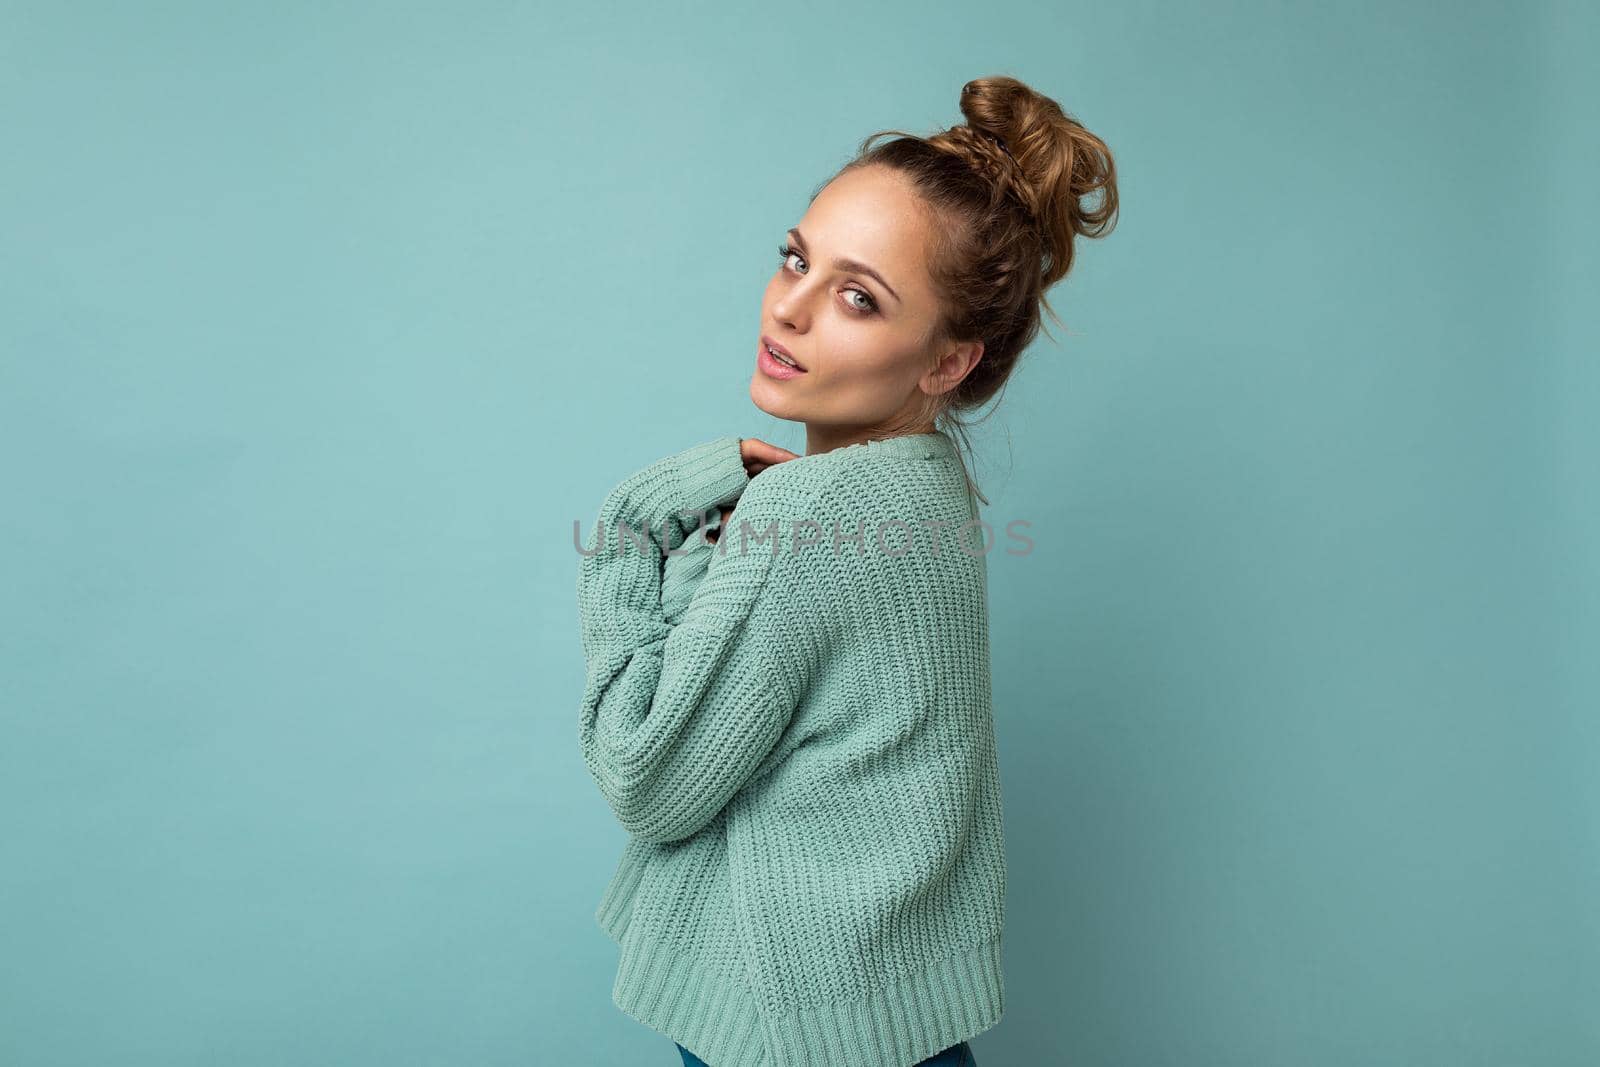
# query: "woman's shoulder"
855 513
896 470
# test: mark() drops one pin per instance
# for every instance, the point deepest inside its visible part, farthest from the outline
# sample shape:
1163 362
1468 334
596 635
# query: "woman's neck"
821 439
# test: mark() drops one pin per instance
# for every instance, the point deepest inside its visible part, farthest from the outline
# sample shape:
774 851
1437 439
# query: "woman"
790 712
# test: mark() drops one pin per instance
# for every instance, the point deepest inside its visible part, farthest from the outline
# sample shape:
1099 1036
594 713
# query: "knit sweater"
794 727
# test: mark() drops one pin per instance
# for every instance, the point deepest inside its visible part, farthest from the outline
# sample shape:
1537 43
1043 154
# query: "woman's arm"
676 716
682 571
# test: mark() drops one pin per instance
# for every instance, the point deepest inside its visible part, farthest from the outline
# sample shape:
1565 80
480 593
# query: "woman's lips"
772 368
781 352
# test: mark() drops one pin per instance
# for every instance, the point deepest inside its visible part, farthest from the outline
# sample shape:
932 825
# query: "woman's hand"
757 455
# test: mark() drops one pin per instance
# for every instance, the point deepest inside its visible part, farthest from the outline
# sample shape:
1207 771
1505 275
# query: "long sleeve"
677 715
682 571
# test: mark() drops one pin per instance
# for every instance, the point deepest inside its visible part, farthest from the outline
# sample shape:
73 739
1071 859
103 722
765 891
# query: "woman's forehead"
871 215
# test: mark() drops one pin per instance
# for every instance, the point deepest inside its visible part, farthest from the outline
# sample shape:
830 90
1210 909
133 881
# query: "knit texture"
799 742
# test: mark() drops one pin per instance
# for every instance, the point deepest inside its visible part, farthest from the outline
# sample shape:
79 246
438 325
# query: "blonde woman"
787 699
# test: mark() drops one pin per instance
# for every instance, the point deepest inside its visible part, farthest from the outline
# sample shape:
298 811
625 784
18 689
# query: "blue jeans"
955 1056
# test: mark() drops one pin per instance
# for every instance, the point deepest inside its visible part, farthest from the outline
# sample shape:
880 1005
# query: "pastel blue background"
320 325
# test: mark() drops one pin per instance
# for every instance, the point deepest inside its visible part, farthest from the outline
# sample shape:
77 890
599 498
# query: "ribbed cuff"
693 481
711 473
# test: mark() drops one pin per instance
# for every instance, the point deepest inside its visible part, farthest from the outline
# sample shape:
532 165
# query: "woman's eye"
868 305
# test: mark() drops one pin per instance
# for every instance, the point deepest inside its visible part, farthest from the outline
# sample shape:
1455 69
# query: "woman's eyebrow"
850 266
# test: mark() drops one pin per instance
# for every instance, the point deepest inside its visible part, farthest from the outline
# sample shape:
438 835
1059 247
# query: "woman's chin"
769 397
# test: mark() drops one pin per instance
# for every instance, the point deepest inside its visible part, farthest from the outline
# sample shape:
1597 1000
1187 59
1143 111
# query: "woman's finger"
759 455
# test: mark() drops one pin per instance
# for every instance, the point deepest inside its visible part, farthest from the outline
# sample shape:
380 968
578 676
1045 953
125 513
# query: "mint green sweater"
800 745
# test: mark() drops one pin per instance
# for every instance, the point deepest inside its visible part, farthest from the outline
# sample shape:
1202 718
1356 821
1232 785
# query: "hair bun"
1059 164
1002 108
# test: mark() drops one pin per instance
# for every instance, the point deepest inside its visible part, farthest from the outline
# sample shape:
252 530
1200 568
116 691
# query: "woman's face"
859 330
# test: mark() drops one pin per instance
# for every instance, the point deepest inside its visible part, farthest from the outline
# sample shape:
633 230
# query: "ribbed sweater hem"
616 903
896 1025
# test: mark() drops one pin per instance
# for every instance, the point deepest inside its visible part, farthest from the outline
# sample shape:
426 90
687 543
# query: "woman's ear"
952 367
